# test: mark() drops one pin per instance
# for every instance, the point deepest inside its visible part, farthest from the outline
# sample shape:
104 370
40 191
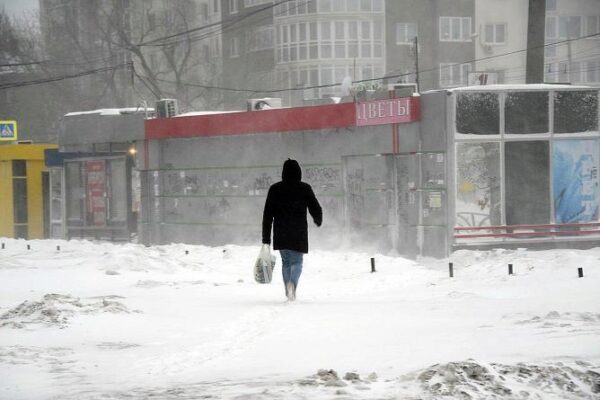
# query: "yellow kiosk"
23 187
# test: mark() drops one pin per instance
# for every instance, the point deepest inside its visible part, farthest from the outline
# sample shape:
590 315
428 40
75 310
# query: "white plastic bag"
263 268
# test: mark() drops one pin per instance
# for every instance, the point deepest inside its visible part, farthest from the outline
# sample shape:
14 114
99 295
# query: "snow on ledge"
531 86
111 111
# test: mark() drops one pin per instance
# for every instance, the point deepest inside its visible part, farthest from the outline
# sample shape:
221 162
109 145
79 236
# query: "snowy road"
98 320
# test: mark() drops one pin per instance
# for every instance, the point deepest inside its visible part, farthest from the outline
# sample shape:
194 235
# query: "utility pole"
417 62
535 41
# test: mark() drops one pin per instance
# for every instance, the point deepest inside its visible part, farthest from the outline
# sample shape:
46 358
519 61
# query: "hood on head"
291 171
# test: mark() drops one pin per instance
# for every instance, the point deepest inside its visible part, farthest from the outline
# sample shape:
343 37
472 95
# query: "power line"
61 78
367 80
200 28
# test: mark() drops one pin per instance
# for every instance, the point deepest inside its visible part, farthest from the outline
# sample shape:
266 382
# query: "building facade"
444 31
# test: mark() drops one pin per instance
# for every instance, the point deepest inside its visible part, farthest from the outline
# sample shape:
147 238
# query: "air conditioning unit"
263 104
166 108
403 89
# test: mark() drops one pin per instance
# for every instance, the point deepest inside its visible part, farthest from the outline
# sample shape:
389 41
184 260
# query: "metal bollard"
57 248
510 269
28 247
451 270
373 265
580 272
2 246
187 252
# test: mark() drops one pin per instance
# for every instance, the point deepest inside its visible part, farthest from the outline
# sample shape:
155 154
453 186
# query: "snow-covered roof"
111 111
531 86
196 113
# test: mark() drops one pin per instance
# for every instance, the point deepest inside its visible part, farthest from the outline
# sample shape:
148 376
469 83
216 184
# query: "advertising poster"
96 189
576 182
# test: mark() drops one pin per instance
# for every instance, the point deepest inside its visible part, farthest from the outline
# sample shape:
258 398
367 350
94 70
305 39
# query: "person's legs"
295 261
285 268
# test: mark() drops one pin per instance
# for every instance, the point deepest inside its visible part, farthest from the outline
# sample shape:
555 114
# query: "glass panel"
526 112
500 33
339 30
455 28
365 30
325 31
19 168
324 5
489 33
21 232
527 176
74 191
576 183
478 113
444 28
20 200
575 111
118 190
478 192
56 194
352 5
466 29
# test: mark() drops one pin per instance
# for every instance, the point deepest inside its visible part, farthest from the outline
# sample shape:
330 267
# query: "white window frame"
596 29
462 35
402 32
593 67
261 38
252 3
554 32
234 47
494 40
453 81
569 17
233 7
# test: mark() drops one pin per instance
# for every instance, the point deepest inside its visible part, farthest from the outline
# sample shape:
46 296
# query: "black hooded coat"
285 209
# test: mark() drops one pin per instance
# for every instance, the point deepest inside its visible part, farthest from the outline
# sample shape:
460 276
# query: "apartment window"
233 6
204 11
405 33
593 25
550 5
495 34
234 47
455 29
569 27
550 51
551 28
550 72
324 5
453 74
592 71
252 3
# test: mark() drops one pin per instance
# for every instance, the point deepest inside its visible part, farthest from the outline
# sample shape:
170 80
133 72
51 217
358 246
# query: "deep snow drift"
124 321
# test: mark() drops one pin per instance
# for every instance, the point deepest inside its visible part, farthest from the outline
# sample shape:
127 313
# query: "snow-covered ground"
124 321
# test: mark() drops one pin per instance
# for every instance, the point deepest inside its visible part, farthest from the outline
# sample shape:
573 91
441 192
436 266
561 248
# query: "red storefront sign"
330 116
387 111
96 189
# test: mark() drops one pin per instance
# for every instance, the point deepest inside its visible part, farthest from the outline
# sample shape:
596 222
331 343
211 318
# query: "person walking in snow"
285 210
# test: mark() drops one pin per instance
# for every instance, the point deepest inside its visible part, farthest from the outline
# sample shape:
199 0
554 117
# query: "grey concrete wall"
211 190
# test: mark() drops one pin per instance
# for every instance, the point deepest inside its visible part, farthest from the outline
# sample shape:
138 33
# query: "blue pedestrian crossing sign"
8 130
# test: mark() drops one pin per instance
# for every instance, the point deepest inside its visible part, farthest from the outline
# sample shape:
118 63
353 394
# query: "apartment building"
446 35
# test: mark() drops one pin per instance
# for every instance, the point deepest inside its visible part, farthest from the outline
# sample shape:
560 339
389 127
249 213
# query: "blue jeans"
291 266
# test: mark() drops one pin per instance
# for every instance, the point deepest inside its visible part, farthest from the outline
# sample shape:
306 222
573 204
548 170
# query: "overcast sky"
17 7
